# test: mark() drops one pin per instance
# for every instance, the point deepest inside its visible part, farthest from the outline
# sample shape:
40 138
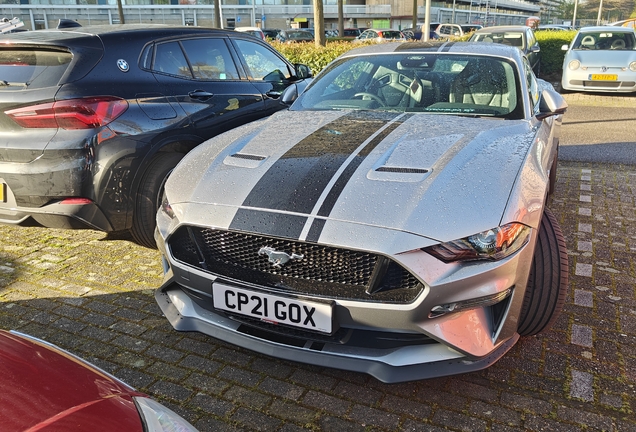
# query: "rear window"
32 68
391 34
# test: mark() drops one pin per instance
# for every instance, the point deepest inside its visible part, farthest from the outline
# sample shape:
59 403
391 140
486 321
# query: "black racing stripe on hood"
336 190
296 181
268 223
447 46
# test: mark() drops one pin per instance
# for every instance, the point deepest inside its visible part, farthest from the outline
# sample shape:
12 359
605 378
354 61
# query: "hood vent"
402 170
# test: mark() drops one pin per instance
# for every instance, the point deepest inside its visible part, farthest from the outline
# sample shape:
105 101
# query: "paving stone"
581 386
326 402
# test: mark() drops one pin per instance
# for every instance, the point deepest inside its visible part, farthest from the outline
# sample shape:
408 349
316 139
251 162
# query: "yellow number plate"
3 192
603 77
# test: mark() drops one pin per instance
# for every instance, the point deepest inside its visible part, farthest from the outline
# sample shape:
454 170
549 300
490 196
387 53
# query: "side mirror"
290 94
302 71
565 47
551 103
535 48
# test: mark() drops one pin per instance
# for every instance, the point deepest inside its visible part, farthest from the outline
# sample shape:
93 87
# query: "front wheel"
148 197
548 282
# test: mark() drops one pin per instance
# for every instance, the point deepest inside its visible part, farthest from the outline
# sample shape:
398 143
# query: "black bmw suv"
93 119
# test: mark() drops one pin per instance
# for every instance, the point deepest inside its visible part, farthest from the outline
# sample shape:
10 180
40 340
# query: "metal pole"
576 3
600 9
427 22
453 16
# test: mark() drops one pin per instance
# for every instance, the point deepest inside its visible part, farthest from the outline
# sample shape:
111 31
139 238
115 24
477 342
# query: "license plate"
3 192
603 77
272 308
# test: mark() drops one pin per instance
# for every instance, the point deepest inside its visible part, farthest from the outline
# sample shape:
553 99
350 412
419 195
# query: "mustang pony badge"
278 258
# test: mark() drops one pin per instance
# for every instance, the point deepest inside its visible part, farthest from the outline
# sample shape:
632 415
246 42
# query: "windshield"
434 83
604 41
506 38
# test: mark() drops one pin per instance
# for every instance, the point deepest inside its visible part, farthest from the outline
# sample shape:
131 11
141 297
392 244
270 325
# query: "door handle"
200 94
273 94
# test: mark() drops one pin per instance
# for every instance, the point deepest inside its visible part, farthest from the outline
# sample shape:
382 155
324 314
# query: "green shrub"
314 57
551 53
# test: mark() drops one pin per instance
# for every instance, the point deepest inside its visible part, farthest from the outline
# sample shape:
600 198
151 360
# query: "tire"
548 282
148 198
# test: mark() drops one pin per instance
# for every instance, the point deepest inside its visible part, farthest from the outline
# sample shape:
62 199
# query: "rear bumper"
53 215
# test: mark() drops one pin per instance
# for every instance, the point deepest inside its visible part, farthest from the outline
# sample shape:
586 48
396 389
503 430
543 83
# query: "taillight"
85 113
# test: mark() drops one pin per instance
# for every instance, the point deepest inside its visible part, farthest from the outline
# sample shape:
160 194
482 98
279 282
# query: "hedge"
319 57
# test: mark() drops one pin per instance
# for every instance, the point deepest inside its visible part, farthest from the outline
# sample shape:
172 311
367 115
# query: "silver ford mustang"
393 221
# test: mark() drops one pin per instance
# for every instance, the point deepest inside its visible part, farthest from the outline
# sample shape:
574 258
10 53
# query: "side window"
263 64
169 59
210 59
533 86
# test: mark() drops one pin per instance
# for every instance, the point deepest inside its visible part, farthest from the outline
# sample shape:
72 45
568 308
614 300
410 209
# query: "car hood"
599 58
298 172
46 389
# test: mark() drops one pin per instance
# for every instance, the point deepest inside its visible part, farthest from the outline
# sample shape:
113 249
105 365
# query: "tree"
120 9
414 15
217 13
340 18
319 24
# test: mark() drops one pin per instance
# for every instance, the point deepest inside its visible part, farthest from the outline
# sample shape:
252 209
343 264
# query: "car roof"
518 28
610 28
247 29
141 30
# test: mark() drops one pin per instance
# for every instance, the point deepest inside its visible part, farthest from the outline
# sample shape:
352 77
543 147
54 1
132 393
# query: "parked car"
554 27
380 35
254 31
94 118
352 33
44 388
631 23
271 33
415 33
335 233
521 37
600 59
455 30
294 36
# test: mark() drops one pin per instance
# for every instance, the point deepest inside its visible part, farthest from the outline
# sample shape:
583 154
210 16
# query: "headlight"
158 418
574 65
632 66
165 206
494 244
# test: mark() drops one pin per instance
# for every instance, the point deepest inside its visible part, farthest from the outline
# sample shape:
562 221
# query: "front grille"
322 271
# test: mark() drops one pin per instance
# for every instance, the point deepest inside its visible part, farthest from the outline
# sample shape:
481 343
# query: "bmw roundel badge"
123 65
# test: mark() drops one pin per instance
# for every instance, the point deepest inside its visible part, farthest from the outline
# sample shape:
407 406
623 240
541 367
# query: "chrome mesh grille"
323 270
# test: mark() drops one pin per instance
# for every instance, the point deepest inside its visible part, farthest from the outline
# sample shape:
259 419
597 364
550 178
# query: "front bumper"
580 80
389 365
391 341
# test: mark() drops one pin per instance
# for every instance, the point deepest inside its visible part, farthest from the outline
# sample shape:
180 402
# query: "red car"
44 388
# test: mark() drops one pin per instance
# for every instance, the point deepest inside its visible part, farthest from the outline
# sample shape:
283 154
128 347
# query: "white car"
601 59
254 31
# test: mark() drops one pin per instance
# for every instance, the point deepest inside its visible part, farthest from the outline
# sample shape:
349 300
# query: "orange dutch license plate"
603 77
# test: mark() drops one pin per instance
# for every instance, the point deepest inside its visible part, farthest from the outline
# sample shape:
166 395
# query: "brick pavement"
93 295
